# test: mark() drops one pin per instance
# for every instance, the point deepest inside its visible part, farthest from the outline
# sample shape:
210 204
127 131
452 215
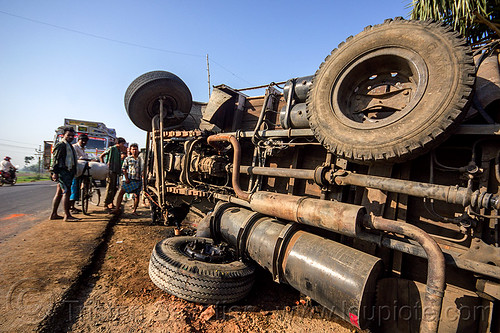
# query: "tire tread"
196 281
424 141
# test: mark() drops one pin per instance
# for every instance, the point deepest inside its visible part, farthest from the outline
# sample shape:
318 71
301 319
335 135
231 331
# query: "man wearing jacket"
63 169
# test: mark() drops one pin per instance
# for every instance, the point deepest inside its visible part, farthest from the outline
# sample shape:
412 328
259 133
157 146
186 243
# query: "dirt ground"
119 296
40 266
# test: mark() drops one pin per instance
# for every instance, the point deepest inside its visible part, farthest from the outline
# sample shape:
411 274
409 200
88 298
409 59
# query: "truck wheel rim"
379 88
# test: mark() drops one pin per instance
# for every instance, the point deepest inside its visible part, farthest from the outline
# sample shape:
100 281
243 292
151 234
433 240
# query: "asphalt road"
24 205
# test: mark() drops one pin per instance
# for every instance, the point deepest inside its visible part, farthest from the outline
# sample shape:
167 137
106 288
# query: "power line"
26 143
98 36
14 151
15 146
227 70
122 42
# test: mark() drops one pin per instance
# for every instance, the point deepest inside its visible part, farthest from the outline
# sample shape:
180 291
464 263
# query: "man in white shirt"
5 165
8 169
75 186
80 147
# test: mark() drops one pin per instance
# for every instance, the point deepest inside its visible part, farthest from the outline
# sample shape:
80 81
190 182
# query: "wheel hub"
207 252
379 88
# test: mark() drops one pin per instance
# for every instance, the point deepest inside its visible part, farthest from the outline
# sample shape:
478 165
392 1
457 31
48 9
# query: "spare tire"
391 92
142 99
174 269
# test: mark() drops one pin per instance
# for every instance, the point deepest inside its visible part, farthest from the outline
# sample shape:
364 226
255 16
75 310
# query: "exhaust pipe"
338 277
344 218
296 256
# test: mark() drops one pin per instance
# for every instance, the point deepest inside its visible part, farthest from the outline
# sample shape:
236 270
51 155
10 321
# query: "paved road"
24 205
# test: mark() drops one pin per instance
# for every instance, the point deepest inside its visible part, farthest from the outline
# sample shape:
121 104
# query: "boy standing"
132 174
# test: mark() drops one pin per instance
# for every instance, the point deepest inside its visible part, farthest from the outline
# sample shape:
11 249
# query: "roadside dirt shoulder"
41 265
120 297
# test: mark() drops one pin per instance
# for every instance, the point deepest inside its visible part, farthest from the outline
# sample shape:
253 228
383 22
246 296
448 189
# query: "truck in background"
100 138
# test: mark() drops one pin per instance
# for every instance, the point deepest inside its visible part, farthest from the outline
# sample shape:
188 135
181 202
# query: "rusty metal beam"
452 258
278 172
473 129
463 129
450 194
289 133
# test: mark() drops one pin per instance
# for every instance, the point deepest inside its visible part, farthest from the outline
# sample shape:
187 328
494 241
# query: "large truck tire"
174 271
142 99
392 92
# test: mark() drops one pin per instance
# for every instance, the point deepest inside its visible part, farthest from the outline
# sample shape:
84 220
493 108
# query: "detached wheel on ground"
195 269
142 99
392 92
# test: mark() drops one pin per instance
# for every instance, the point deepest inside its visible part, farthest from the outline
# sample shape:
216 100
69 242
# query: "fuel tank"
338 277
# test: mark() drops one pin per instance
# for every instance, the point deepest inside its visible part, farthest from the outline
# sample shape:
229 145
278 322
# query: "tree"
477 20
28 159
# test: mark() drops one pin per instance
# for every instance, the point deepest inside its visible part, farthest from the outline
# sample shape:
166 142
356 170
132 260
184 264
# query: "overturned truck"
371 186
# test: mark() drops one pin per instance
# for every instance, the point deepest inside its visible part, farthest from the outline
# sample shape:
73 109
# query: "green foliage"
26 177
28 159
31 164
31 168
475 19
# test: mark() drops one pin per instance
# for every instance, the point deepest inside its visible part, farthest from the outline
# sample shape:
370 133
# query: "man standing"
75 186
63 169
80 147
113 160
132 174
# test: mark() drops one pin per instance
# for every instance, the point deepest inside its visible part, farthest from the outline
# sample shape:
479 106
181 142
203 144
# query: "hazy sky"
75 59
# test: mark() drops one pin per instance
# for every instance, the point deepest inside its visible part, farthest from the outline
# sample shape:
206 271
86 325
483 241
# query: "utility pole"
39 153
208 73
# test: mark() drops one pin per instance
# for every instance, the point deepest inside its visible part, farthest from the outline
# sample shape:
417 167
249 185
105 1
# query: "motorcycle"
9 177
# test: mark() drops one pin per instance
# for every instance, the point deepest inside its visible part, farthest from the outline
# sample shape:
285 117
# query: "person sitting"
7 167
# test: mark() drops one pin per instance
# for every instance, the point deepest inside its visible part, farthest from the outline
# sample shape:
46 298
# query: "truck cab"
100 136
